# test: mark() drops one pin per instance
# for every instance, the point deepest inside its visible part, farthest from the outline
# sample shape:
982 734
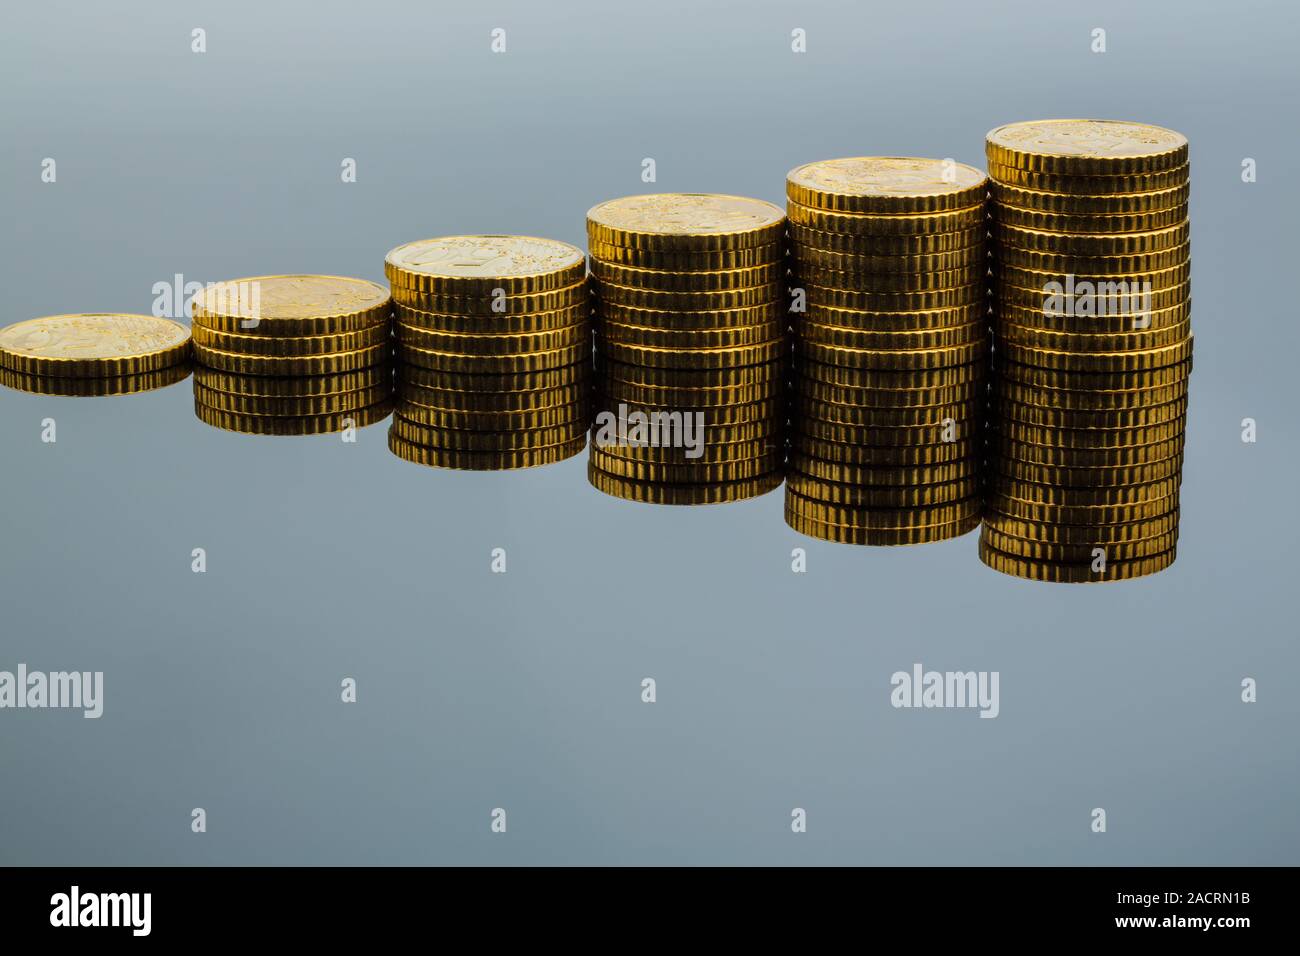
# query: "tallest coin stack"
1093 349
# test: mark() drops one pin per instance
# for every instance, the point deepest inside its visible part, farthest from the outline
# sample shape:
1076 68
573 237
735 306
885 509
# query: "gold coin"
292 425
455 400
306 405
880 537
331 364
1081 573
859 517
577 374
484 460
95 344
706 358
943 338
1121 296
518 324
536 361
649 492
1110 244
972 260
895 475
1092 401
876 283
733 337
765 373
607 293
742 421
723 397
1077 514
294 305
662 280
685 221
893 359
892 379
1032 453
1094 341
515 439
1075 204
485 265
298 386
922 245
854 454
867 301
886 435
1083 476
674 473
710 452
643 420
497 307
1093 381
1110 419
1152 491
1091 536
1090 185
291 346
812 394
771 312
1069 553
890 185
1007 216
881 496
1086 146
494 421
961 413
1009 257
711 260
860 224
1131 361
478 344
1117 323
892 322
97 386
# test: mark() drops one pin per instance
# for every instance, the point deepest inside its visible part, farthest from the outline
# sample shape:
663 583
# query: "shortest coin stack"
292 354
494 350
890 349
691 347
98 353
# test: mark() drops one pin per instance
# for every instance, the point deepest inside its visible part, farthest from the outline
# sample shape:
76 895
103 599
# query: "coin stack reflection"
888 254
494 349
691 347
292 354
1092 349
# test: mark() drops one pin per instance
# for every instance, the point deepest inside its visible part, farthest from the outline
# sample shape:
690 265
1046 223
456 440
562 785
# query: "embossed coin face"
109 343
290 297
887 176
1083 138
685 214
485 256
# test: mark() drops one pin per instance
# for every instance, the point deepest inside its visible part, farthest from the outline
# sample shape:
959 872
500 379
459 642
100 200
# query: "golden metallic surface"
892 475
575 374
767 393
1095 400
940 338
813 394
689 321
1108 324
1006 504
494 421
685 221
972 259
1089 244
865 301
1045 551
876 283
724 429
457 401
96 386
698 261
888 185
295 305
703 358
888 455
933 319
675 472
1119 534
1131 455
495 306
868 245
1090 185
292 425
480 265
998 468
1112 267
918 516
479 344
663 280
881 496
474 440
306 405
963 414
1133 340
732 337
741 419
1079 573
1086 146
1126 293
493 364
1130 361
299 386
1093 381
886 435
860 224
606 293
1008 216
519 323
332 364
1007 274
892 359
1152 491
1108 419
765 373
892 379
650 492
290 345
1076 204
483 460
880 537
94 344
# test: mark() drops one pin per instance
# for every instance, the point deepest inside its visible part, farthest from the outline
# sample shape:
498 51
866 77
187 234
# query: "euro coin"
97 344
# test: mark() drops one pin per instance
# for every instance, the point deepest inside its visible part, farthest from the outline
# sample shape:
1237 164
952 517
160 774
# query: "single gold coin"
863 517
885 435
412 401
681 470
1065 224
458 439
296 386
523 420
700 358
291 345
715 400
1052 318
493 343
523 323
536 361
880 537
1110 297
765 373
662 280
864 300
609 293
881 496
1086 146
1122 533
886 474
893 359
1133 285
999 469
483 460
471 266
1080 514
926 321
1085 244
1090 185
892 379
1082 572
886 185
963 415
695 261
281 406
862 224
886 455
1128 361
675 222
1131 455
942 338
1095 341
810 393
333 363
733 337
1120 419
708 493
94 344
971 258
686 322
99 386
295 305
1109 266
919 245
291 424
1074 203
875 283
1092 401
1151 491
1124 381
497 307
577 374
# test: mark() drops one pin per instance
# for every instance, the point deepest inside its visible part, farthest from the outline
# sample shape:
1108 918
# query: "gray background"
522 691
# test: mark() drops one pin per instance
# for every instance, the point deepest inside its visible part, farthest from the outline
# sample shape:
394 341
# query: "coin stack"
97 353
494 350
292 354
890 349
1092 349
691 347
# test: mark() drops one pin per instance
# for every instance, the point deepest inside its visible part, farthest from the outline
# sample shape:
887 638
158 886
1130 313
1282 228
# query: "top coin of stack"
292 354
98 353
691 347
890 349
1093 348
494 342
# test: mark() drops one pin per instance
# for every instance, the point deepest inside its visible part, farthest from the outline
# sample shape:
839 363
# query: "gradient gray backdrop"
522 691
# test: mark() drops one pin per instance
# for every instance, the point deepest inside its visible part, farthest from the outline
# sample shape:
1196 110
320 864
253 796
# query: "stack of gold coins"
494 350
97 353
1092 348
292 354
891 340
691 347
